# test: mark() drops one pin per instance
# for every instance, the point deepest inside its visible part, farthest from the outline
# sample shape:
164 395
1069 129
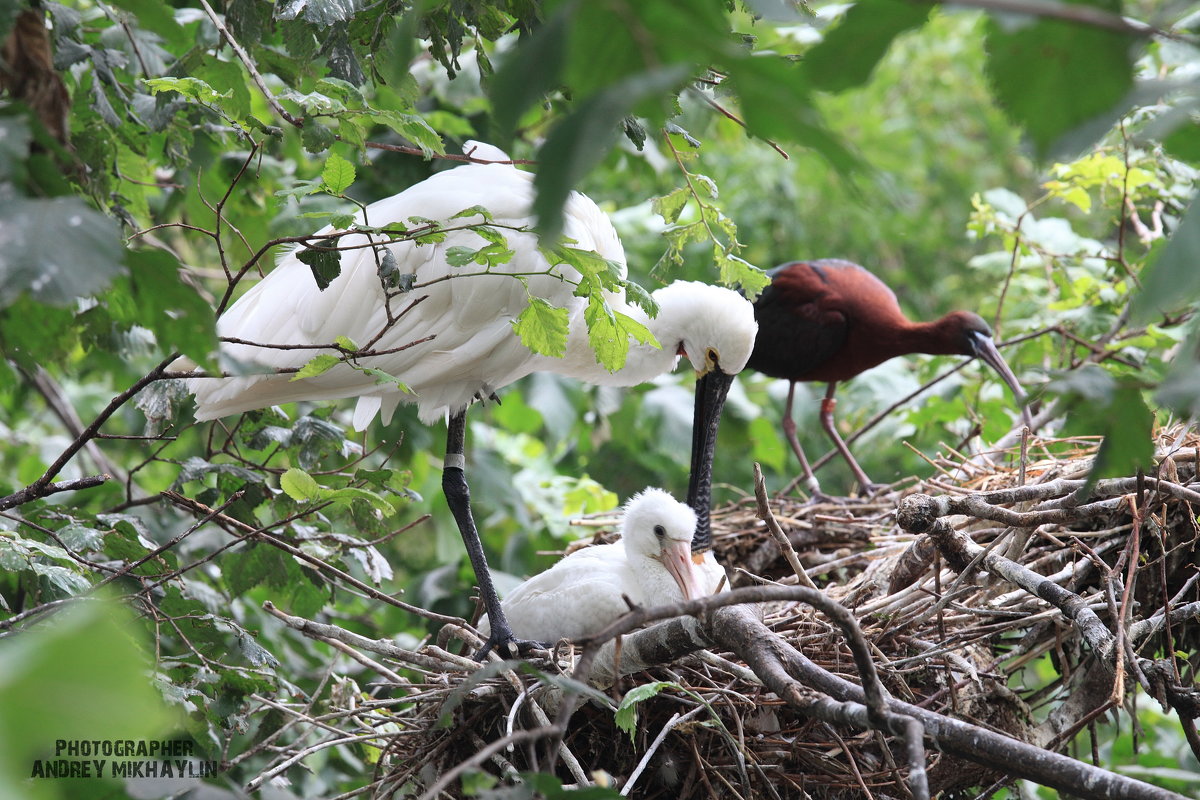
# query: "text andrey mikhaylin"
126 758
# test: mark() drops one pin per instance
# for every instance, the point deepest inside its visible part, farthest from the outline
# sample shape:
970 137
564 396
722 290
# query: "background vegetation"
1037 170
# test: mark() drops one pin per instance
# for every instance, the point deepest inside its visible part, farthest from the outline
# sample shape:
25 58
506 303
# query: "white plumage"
584 592
474 350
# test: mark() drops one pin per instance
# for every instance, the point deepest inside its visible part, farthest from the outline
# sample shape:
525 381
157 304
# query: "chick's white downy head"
657 526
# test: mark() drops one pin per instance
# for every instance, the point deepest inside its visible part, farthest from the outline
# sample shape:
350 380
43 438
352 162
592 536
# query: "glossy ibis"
450 339
829 320
584 592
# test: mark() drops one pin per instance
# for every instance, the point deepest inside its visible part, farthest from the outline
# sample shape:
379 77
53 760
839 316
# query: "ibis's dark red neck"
946 336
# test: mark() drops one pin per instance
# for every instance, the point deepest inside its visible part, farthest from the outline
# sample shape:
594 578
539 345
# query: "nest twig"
1019 568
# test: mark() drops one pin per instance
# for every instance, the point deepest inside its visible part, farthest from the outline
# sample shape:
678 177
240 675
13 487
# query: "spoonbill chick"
583 593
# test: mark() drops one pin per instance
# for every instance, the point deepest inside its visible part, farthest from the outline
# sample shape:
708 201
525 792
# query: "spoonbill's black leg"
458 497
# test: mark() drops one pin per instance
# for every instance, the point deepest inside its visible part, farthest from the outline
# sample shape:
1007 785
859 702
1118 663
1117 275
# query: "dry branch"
781 683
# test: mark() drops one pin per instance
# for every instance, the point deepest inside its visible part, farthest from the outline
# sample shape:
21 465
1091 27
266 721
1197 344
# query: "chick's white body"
584 592
472 349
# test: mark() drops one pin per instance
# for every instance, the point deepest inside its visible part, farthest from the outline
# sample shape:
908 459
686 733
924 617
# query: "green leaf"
848 54
627 712
670 205
740 273
777 102
543 327
597 272
317 365
317 138
191 88
338 174
384 378
346 343
347 92
180 318
299 485
585 136
636 294
229 78
413 128
1051 76
319 12
1173 281
529 72
460 256
325 263
609 333
300 189
349 494
156 16
1100 405
56 249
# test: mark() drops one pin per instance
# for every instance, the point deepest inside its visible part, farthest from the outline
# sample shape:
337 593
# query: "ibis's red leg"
458 497
827 407
789 430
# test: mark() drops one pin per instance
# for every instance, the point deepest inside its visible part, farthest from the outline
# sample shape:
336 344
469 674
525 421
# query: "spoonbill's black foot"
509 647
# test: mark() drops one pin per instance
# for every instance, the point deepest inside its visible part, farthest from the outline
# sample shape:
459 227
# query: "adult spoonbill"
584 592
461 323
829 320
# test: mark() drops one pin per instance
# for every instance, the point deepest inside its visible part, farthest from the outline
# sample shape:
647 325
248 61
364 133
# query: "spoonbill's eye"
660 531
711 356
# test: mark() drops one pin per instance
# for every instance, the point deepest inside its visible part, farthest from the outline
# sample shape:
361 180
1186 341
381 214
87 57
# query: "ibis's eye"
660 531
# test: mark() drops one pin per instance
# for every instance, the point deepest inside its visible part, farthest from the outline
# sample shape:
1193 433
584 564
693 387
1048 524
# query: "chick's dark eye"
660 531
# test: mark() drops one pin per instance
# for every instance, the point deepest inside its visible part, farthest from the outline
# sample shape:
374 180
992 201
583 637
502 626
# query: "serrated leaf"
1050 76
196 468
180 318
315 137
670 205
56 249
415 129
318 12
346 342
585 136
325 263
738 272
475 210
317 365
1172 281
350 493
300 189
345 91
191 88
299 485
849 52
609 333
460 256
635 293
384 378
627 713
543 327
338 174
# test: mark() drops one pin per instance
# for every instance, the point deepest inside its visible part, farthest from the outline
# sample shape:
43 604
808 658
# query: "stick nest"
956 643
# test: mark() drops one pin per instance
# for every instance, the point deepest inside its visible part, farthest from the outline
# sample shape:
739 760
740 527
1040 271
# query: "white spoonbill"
581 594
461 323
